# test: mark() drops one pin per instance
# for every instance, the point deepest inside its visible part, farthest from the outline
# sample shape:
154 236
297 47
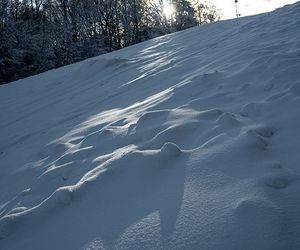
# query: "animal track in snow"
265 131
295 89
253 109
228 120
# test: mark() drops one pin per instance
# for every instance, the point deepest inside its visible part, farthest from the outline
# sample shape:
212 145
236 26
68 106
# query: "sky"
249 7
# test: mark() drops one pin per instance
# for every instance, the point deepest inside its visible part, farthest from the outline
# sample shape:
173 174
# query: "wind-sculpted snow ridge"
188 141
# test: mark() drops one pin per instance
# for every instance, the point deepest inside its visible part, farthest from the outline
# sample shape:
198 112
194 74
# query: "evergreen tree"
184 15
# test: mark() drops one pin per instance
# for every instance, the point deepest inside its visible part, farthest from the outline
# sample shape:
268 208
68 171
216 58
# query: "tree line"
38 35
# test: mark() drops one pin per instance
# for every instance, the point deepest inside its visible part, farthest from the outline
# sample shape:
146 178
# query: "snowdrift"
187 141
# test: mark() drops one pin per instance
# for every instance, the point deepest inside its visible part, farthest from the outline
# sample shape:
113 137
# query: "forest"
39 35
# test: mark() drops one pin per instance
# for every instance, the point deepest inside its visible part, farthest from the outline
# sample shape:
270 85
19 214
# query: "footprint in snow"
295 89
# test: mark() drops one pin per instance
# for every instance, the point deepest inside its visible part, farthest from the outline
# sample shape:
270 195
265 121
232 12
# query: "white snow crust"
187 141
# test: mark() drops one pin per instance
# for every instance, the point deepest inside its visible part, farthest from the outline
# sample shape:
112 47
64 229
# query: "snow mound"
170 149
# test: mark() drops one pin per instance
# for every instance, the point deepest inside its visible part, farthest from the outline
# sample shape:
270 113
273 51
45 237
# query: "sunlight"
168 9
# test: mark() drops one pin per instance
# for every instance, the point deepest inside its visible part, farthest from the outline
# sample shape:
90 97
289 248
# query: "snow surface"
187 141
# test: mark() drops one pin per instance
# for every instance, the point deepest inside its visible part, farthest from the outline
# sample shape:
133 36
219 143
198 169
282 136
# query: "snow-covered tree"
37 35
184 14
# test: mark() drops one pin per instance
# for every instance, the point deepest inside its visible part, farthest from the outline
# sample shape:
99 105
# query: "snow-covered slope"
188 141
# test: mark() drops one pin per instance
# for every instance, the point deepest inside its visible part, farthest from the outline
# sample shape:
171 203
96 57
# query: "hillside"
187 141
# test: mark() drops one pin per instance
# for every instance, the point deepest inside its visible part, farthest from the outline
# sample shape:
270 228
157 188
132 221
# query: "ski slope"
186 141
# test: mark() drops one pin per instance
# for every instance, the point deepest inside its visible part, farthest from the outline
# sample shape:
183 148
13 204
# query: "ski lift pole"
236 9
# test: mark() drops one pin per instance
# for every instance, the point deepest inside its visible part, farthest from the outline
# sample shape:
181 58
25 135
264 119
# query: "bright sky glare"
168 9
249 7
